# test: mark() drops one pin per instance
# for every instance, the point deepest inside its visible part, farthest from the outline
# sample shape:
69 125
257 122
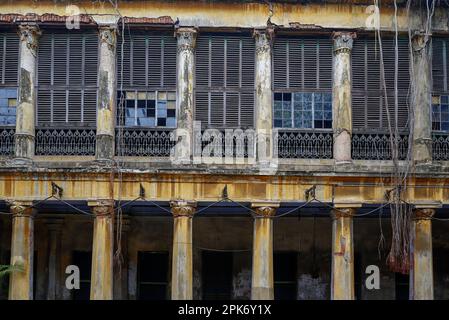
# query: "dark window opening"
440 113
217 275
358 280
148 109
300 110
152 270
402 286
83 260
285 275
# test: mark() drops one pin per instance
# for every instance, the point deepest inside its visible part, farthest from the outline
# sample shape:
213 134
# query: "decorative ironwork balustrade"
440 146
377 146
143 142
7 141
304 144
65 142
225 143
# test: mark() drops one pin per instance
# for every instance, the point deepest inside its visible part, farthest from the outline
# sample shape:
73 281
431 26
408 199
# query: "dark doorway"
285 267
402 286
217 275
83 260
358 281
152 275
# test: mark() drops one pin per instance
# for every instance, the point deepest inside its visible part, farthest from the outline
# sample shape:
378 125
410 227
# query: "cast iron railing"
7 141
304 144
138 142
65 142
377 146
440 146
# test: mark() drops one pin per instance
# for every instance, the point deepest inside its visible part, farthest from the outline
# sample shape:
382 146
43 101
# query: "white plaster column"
421 271
264 97
107 97
186 38
262 283
341 96
182 263
22 250
421 99
26 107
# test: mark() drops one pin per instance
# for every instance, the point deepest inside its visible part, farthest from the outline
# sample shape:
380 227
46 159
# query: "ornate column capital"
182 208
343 41
265 209
420 40
108 35
21 208
423 213
101 207
186 38
343 213
264 39
30 33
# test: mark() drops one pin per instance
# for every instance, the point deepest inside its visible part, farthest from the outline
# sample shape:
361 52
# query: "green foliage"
6 269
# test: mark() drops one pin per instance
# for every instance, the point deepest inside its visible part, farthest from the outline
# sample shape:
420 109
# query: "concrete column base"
104 147
23 146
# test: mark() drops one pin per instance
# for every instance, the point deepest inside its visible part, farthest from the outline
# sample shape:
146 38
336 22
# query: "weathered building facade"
224 149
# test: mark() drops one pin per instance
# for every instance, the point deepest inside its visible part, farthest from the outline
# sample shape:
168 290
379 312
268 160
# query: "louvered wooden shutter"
9 58
149 60
440 65
302 64
225 81
67 77
368 97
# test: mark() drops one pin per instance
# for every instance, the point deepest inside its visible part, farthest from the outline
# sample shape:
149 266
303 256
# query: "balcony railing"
304 144
65 142
440 146
377 146
132 142
7 141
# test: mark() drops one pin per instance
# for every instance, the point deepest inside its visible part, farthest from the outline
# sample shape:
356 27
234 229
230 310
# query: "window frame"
123 88
4 85
293 127
67 88
221 92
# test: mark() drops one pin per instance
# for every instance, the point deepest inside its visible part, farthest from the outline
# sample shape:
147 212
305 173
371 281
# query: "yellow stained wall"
232 14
